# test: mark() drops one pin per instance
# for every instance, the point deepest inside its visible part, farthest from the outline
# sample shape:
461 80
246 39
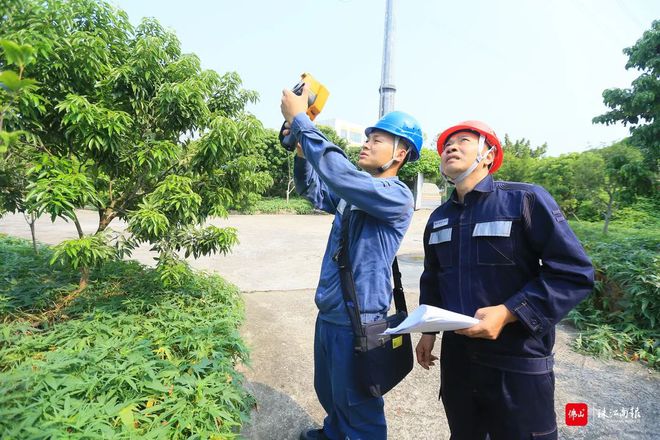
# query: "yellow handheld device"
318 95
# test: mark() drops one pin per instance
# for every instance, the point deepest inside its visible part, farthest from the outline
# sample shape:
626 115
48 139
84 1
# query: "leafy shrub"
28 282
644 214
280 206
132 359
620 318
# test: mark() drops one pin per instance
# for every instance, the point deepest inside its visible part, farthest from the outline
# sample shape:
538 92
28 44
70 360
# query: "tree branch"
78 227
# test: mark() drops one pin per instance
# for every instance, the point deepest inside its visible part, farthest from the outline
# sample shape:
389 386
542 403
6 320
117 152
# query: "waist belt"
515 364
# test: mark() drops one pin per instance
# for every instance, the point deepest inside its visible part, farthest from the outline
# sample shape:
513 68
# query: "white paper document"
432 319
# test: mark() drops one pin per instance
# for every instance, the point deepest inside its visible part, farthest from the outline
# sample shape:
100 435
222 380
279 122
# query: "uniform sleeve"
381 198
312 188
429 293
566 276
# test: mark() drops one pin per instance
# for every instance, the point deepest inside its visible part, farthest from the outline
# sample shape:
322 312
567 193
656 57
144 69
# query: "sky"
532 69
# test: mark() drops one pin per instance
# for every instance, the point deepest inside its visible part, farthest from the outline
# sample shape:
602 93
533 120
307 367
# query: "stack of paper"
432 319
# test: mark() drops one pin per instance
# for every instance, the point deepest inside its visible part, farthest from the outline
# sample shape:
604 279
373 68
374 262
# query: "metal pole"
387 88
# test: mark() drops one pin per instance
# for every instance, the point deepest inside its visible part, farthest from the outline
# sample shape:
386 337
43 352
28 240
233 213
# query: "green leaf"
7 139
19 55
126 416
10 80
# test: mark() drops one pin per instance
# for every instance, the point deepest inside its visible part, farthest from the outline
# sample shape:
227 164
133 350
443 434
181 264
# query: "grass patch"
130 359
275 205
620 318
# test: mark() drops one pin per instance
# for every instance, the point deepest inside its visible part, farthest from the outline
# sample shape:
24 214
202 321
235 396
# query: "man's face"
376 150
460 152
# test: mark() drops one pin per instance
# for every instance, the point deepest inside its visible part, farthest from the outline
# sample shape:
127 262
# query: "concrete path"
277 264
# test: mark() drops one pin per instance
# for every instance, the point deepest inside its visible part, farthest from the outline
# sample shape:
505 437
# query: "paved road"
276 265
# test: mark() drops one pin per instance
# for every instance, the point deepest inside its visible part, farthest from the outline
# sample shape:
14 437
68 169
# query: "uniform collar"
486 185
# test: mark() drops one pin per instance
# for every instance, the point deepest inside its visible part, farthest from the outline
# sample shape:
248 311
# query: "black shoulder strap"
399 297
348 284
346 276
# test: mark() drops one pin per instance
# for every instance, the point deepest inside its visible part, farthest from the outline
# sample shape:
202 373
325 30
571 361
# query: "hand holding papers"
432 319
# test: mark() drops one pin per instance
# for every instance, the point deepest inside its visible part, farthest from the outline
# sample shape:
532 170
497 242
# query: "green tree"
333 137
135 129
557 175
15 154
428 164
639 105
588 171
626 176
353 153
519 160
277 162
575 180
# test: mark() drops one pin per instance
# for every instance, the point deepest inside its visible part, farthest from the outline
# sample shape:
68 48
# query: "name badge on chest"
440 223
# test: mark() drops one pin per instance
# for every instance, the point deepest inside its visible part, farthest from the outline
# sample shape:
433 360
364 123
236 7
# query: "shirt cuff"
527 315
301 122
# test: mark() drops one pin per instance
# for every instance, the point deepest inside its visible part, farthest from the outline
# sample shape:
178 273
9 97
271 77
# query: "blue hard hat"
403 125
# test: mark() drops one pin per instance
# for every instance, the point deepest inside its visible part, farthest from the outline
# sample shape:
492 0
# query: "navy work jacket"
510 244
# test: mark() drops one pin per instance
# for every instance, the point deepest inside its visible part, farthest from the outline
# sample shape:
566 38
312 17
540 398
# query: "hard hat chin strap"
390 162
480 157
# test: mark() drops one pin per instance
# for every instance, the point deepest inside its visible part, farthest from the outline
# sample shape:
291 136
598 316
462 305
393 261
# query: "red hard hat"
481 128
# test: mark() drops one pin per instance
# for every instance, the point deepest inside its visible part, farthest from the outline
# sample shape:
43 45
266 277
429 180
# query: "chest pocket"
494 243
440 242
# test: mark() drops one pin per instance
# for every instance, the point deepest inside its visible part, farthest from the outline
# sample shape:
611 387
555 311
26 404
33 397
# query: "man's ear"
401 154
490 157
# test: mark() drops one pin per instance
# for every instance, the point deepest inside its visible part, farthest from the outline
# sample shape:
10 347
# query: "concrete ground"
277 264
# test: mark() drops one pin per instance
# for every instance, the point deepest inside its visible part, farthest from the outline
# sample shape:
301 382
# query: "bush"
130 360
28 282
620 318
277 205
643 214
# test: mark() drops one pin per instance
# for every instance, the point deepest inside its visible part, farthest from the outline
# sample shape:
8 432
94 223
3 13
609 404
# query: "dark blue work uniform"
508 243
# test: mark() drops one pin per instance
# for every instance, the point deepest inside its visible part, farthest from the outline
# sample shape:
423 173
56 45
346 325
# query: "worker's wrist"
300 120
510 316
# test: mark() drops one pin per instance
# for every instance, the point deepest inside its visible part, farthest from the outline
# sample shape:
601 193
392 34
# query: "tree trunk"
78 227
105 217
56 312
31 221
608 213
288 190
34 236
84 271
84 279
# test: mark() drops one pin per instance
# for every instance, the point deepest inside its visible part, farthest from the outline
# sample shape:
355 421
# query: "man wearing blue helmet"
380 208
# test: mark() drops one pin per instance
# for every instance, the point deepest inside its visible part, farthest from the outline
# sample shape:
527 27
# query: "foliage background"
132 359
96 113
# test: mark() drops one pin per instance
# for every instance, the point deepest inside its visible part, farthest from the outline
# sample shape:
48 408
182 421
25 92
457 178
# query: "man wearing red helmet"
504 253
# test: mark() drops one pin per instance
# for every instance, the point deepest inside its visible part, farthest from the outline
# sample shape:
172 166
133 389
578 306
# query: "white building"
353 133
